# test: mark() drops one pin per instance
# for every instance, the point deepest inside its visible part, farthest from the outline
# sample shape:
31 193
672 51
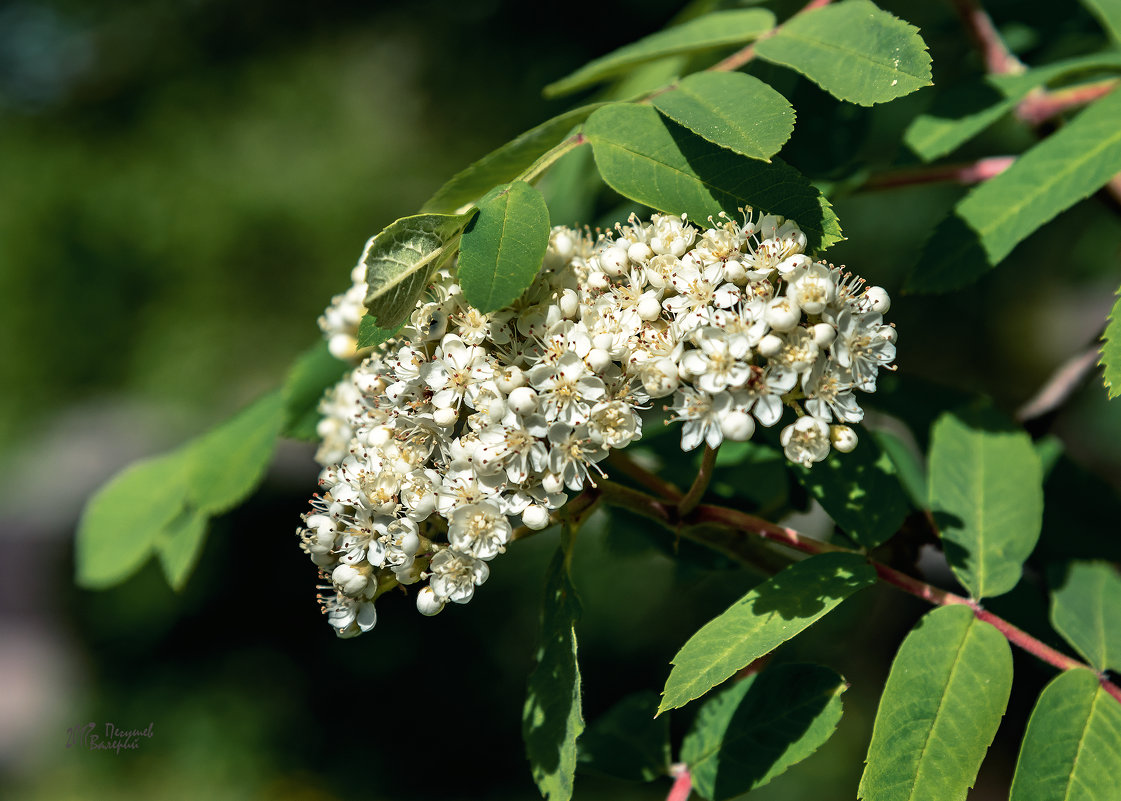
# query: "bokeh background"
184 185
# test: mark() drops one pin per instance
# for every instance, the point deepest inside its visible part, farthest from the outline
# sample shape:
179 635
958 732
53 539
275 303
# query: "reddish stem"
741 521
741 57
1039 107
682 784
979 25
965 174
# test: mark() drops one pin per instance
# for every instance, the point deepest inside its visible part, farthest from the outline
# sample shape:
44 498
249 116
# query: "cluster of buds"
444 440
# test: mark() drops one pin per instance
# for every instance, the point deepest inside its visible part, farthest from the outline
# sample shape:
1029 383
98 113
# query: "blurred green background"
183 187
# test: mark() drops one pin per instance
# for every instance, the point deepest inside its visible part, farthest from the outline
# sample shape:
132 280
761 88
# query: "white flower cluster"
466 424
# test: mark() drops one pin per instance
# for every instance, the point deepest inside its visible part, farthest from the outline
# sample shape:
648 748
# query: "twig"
741 57
640 475
1059 386
1037 108
682 783
738 521
700 483
965 174
979 25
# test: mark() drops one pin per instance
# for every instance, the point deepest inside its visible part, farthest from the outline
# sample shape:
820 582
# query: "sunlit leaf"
718 29
772 613
944 698
661 164
853 50
1086 610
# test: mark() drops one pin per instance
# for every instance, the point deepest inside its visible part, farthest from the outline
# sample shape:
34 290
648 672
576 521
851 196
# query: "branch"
741 57
700 483
979 25
737 522
682 783
1059 386
965 174
640 475
1037 108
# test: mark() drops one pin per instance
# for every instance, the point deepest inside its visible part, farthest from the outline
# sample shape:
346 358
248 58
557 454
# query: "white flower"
455 575
719 362
573 453
701 418
479 529
805 441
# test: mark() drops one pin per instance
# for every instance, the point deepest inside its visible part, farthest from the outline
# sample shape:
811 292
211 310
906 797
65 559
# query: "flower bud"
824 334
639 252
536 517
877 299
510 379
522 400
649 308
737 426
843 438
613 261
429 603
445 417
783 314
769 346
597 360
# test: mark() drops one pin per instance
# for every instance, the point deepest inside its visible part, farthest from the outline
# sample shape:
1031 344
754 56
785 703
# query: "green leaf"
939 711
1110 359
860 491
761 726
654 161
772 613
718 29
507 162
986 492
370 334
853 50
179 545
124 519
1108 13
400 262
997 215
228 462
963 111
551 719
627 742
1070 750
313 373
502 249
908 465
730 109
1086 610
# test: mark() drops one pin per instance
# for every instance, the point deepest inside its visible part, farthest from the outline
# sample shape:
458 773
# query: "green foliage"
503 246
965 111
179 544
163 504
756 624
1108 13
506 163
986 492
761 726
313 372
662 165
370 334
945 696
400 262
853 50
1111 351
552 718
123 521
228 462
1086 610
730 109
1070 749
627 742
994 217
718 29
861 492
908 468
